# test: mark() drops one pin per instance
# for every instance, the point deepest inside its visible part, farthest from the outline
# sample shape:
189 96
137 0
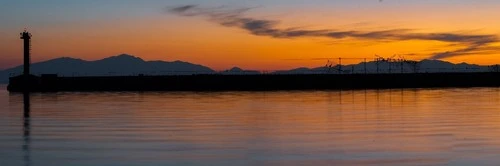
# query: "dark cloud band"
263 27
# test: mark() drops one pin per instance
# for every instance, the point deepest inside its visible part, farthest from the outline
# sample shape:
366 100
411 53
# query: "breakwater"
53 83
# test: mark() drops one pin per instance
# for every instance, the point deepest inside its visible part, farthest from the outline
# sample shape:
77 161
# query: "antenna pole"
340 65
365 65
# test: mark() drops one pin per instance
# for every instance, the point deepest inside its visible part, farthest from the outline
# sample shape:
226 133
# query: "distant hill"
116 65
239 71
424 66
4 77
124 64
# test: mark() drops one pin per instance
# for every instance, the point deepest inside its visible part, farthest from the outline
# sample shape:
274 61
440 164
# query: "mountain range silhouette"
126 65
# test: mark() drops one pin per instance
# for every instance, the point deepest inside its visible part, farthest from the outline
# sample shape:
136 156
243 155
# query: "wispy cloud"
473 43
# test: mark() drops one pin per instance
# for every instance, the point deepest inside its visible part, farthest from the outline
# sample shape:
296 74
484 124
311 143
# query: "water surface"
372 127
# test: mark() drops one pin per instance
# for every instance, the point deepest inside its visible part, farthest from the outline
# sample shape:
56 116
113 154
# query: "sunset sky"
253 34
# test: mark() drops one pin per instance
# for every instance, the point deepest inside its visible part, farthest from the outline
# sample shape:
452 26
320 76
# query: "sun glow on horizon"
156 35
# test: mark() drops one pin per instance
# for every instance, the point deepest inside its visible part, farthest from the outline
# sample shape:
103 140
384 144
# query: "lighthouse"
26 36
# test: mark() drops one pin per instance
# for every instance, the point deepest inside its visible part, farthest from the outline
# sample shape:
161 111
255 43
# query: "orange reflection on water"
381 127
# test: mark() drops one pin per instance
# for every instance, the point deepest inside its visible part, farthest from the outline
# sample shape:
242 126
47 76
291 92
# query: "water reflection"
26 129
367 127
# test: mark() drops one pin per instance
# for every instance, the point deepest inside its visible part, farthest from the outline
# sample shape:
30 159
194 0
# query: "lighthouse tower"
25 82
26 36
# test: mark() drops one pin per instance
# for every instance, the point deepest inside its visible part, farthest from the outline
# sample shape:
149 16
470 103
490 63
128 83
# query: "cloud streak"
263 27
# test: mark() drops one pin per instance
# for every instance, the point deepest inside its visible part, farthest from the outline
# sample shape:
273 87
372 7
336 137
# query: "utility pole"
340 65
365 65
401 62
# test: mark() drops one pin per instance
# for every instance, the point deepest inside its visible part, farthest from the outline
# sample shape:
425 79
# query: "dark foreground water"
373 127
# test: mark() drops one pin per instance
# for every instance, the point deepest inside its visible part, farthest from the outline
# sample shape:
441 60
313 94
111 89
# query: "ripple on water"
372 127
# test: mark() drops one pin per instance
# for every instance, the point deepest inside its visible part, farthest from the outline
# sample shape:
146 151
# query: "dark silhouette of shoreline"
257 82
237 79
128 65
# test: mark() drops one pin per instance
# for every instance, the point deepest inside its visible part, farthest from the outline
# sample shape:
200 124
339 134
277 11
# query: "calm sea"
372 127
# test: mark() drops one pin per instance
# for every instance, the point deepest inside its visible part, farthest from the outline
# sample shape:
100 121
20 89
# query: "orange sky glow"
164 36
